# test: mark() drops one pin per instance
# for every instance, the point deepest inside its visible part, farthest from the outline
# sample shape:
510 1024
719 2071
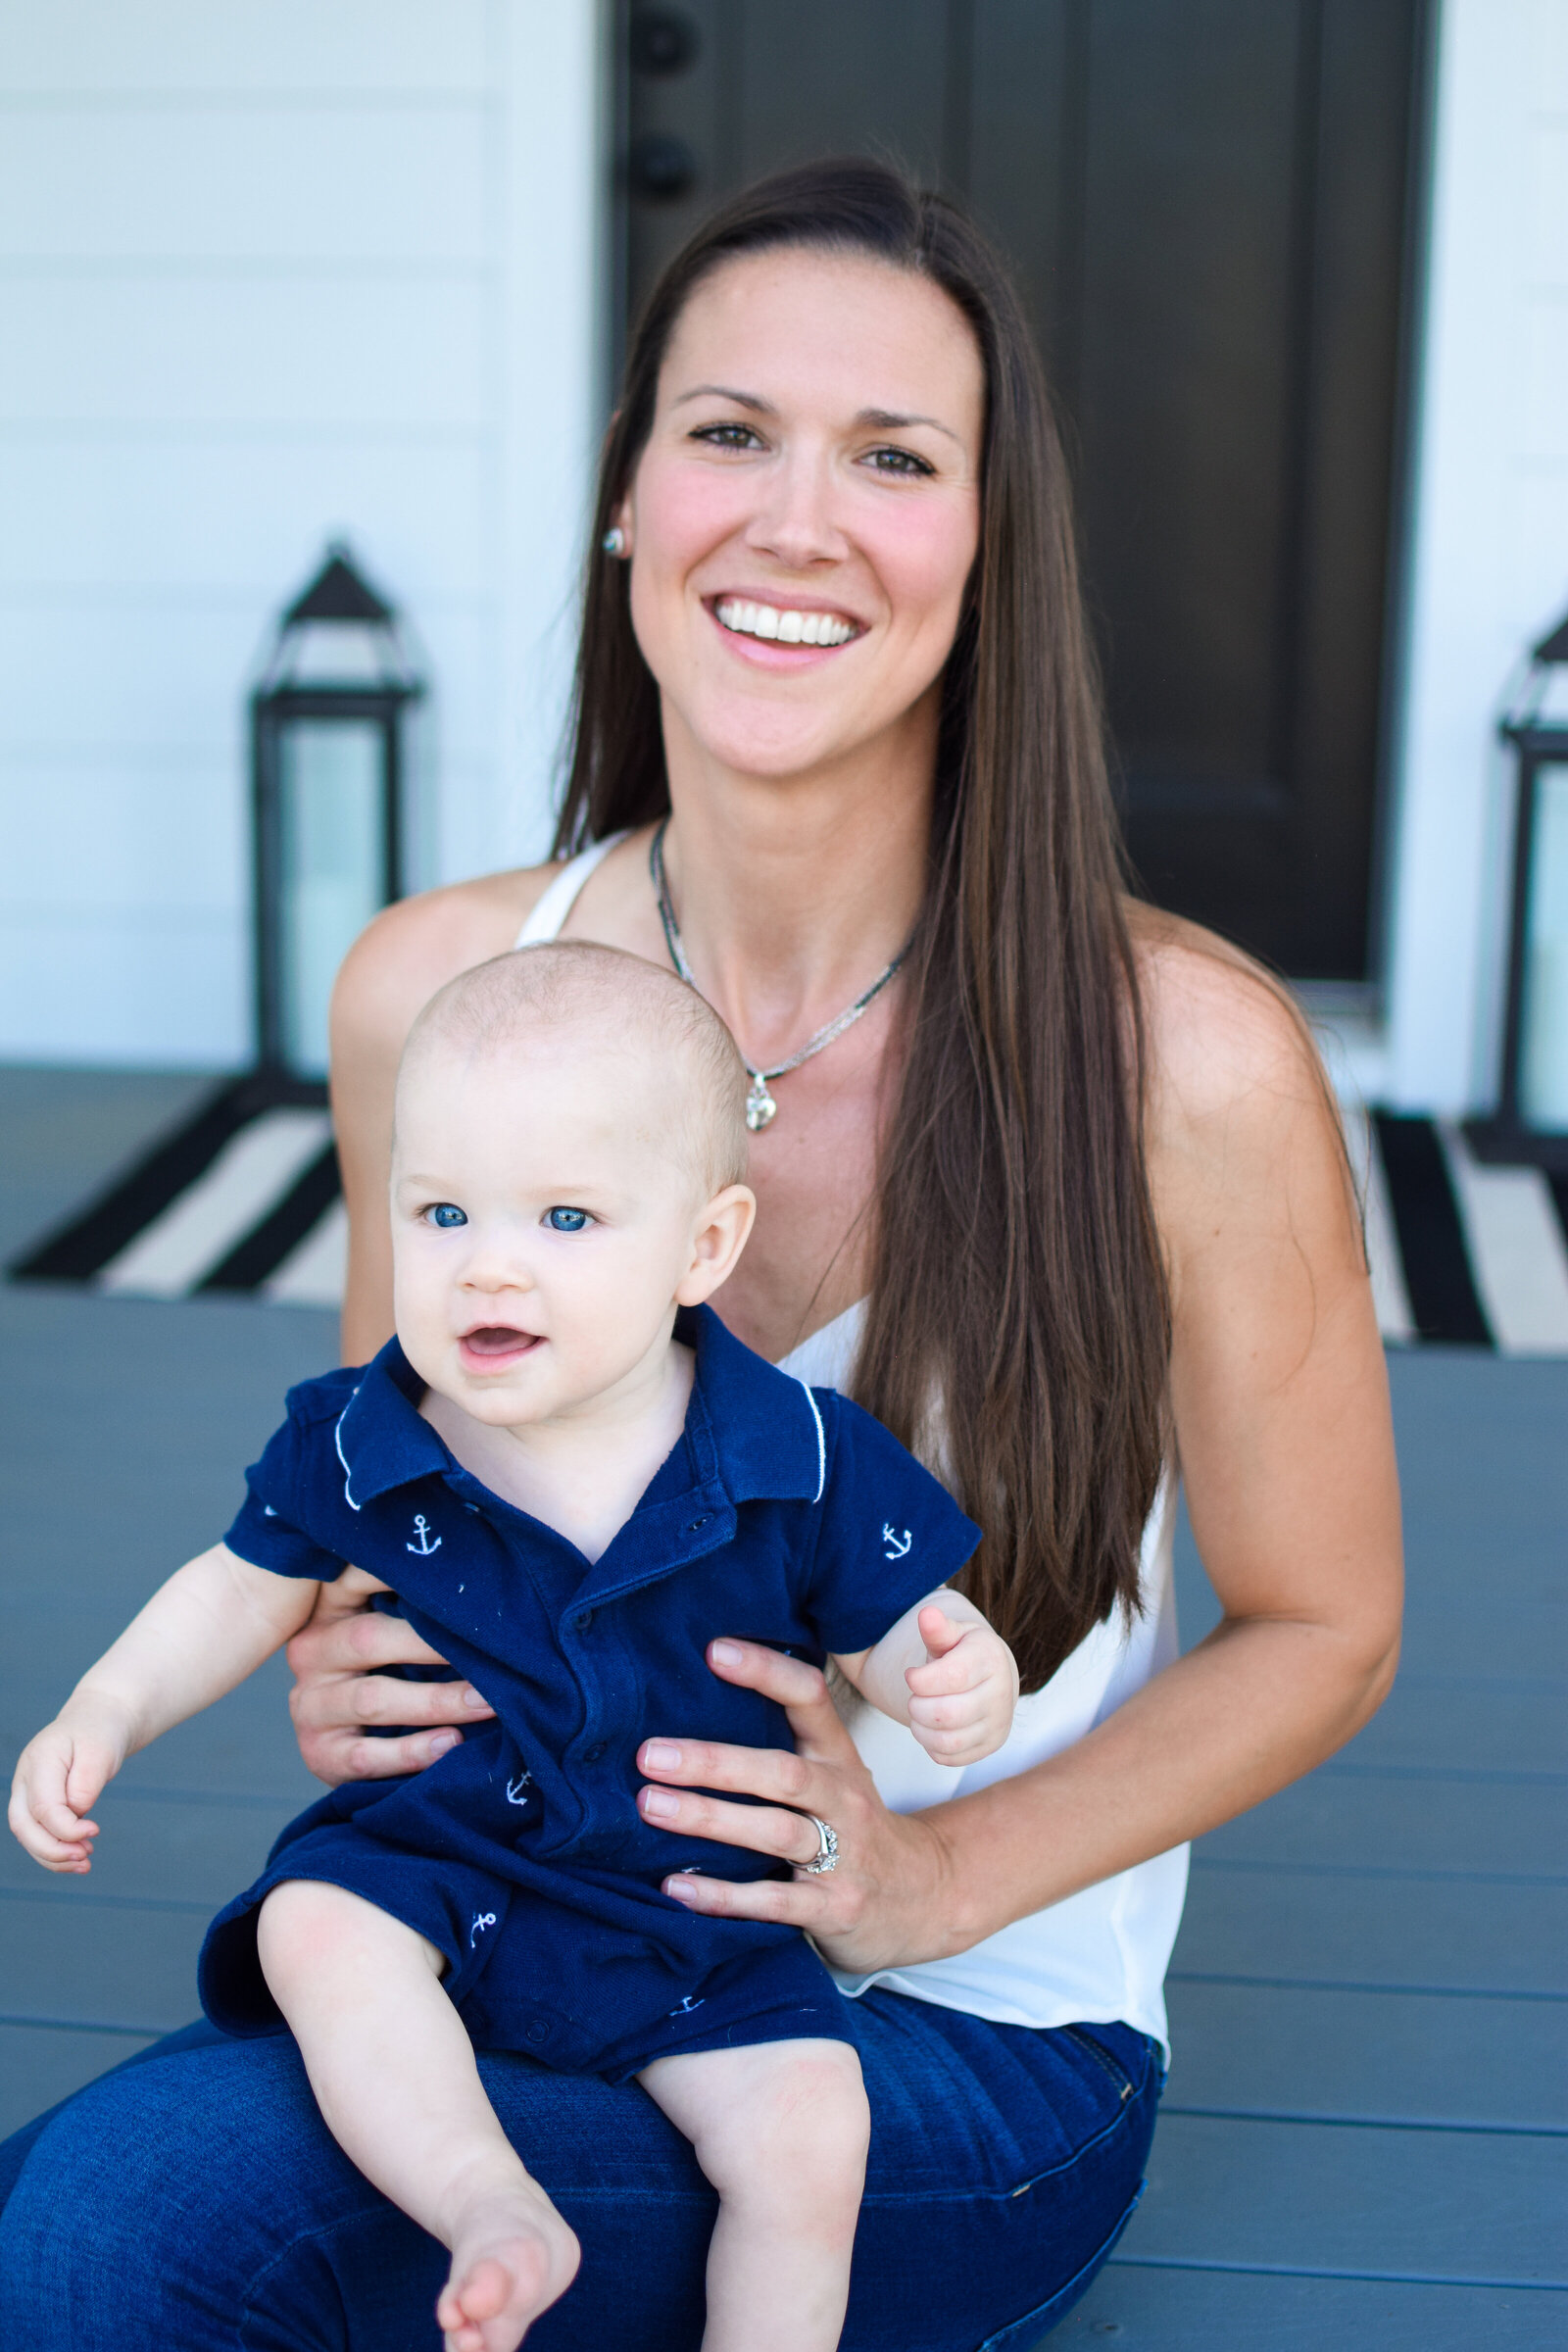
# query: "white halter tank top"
1100 1955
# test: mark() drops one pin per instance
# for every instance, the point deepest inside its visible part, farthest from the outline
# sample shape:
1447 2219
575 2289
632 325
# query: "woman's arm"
1281 1418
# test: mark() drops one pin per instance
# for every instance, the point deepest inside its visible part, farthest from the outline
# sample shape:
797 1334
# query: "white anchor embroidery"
515 1789
896 1545
686 2007
481 1919
424 1547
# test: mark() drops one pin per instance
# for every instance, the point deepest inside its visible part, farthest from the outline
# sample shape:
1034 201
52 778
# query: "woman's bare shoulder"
1224 1036
1247 1159
418 945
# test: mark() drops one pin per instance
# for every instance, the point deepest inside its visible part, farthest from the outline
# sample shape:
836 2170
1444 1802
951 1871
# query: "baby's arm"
944 1672
214 1623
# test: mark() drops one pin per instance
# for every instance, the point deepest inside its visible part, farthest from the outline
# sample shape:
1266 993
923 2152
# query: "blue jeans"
193 2198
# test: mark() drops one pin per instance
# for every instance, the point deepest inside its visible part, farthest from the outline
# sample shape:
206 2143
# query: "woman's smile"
780 636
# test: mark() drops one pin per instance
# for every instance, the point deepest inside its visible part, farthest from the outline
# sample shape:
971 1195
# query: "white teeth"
789 626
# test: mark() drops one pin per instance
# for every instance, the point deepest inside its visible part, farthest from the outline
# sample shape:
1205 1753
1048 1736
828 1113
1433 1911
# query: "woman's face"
813 474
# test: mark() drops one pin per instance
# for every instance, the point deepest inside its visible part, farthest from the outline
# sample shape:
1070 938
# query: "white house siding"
271 270
1490 524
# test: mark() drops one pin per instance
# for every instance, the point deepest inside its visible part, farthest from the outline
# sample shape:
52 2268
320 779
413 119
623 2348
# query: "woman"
1052 1182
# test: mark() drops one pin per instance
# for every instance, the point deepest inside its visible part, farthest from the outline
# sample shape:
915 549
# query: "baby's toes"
500 2284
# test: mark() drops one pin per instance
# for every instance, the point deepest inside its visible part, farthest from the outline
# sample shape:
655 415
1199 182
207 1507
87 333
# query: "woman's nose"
795 524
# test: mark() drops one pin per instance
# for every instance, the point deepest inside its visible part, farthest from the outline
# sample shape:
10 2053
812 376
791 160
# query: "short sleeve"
890 1533
266 1528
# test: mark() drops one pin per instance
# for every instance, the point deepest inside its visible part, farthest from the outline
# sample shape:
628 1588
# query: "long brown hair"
1018 1301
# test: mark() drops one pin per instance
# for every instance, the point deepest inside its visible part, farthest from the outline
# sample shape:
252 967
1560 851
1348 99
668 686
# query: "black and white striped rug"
244 1197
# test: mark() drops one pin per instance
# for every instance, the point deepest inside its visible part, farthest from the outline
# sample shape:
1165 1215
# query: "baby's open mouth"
499 1338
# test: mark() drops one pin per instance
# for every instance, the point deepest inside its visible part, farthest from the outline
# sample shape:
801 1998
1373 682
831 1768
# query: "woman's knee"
152 2203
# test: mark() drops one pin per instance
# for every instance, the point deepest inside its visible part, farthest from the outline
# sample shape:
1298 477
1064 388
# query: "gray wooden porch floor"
1366 2131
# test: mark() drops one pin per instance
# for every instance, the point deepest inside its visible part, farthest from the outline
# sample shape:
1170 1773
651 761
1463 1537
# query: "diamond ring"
826 1856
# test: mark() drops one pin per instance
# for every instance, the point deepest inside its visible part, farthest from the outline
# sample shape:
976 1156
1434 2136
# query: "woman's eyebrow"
742 400
882 421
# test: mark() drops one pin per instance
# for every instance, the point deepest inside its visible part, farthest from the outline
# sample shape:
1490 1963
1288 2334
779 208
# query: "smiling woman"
1065 1208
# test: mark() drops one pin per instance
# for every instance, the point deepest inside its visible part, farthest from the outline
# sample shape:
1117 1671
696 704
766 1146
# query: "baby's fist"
59 1775
962 1700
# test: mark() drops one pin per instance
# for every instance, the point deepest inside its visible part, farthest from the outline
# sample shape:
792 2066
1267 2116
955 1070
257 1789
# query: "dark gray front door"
1207 204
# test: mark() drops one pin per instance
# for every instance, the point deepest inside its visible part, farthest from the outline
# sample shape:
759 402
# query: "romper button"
697 1523
538 2031
591 1755
583 1620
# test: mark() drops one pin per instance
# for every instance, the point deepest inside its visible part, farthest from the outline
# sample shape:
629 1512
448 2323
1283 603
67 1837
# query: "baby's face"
541 1226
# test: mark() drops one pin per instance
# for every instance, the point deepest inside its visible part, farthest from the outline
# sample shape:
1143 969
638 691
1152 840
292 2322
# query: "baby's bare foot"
511 2256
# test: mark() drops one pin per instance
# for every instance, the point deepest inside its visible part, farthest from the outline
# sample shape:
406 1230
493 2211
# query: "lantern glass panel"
1544 1040
333 859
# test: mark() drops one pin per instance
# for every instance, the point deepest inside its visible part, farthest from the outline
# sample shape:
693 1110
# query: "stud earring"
613 541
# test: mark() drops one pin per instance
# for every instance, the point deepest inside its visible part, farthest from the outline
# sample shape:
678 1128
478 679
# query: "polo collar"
763 1425
756 1429
383 1439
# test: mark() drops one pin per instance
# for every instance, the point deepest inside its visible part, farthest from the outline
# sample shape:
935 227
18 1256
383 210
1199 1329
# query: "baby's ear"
722 1229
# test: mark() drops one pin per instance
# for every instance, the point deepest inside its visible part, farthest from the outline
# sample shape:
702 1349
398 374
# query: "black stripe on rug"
76 1251
263 1248
1443 1302
1558 1188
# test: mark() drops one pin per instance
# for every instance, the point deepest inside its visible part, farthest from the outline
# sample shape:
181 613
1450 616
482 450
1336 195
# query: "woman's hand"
882 1906
341 1690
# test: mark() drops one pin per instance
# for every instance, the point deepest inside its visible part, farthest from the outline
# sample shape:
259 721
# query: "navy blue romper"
785 1515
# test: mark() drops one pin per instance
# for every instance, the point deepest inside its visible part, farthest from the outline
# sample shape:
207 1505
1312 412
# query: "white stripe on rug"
1517 1253
228 1200
313 1273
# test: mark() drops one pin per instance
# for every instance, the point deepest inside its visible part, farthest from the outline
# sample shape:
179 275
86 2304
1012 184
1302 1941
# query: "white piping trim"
821 1443
337 1440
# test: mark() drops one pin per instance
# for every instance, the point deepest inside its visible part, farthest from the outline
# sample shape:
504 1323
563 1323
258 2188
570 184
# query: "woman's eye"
566 1220
446 1215
896 462
727 436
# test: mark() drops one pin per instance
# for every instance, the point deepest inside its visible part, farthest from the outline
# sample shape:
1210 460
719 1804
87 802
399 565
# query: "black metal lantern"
326 777
1529 1125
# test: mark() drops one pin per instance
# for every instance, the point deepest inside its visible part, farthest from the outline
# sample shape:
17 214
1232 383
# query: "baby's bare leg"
780 2130
394 2076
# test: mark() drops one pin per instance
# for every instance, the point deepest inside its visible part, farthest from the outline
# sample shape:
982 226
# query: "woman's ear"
723 1228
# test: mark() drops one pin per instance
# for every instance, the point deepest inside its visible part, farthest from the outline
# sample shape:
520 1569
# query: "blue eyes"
446 1216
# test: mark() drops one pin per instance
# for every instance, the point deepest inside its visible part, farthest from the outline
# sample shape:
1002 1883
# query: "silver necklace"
760 1106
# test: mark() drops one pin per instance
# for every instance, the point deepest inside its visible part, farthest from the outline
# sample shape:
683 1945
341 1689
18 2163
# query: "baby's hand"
961 1700
59 1776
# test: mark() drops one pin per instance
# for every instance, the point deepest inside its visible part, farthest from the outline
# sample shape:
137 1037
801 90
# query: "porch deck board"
1367 2116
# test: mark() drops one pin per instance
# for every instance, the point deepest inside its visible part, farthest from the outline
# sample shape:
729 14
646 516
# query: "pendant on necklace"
759 1103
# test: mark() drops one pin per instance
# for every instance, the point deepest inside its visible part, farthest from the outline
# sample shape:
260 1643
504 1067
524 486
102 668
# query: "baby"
574 1478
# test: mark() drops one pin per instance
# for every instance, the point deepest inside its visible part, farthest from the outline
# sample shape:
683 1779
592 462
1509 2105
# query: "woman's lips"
770 651
493 1345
